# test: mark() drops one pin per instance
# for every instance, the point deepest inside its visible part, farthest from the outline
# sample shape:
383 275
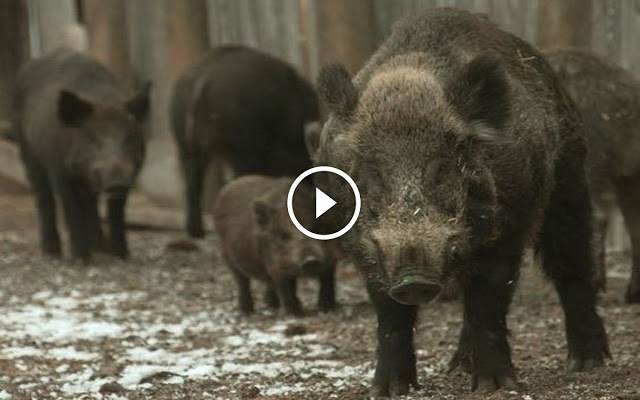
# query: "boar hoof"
327 306
576 364
121 253
395 388
196 231
295 311
632 296
489 384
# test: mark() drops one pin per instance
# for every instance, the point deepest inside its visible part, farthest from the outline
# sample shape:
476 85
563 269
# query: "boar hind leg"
245 298
271 297
483 349
327 294
396 359
629 197
46 205
568 260
117 229
601 222
194 172
287 291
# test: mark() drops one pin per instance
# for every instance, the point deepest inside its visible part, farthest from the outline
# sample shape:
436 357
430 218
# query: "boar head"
107 145
414 142
286 251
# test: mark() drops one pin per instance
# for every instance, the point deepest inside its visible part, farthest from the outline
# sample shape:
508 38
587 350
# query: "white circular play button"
324 202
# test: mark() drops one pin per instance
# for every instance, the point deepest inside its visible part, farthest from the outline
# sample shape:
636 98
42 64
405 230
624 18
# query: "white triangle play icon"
323 202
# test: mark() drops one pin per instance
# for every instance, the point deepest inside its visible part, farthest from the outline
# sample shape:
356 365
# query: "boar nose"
310 264
117 187
414 289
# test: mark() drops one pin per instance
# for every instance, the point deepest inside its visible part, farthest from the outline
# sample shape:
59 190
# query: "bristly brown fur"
464 146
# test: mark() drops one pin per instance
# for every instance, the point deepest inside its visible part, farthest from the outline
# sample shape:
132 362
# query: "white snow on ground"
81 382
52 324
61 353
4 395
56 322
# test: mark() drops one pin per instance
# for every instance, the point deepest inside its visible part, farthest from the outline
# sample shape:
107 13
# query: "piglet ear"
73 110
139 105
480 93
263 212
337 90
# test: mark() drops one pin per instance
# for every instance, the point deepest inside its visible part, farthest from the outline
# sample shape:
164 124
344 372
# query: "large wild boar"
609 99
464 148
259 241
80 136
244 109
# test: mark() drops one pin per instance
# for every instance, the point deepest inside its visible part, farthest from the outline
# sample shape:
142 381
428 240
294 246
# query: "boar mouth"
116 191
415 289
311 266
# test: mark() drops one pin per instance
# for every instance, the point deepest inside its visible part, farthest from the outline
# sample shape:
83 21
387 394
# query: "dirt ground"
163 325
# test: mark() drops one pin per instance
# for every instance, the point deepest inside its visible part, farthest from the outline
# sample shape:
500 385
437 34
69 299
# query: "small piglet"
259 241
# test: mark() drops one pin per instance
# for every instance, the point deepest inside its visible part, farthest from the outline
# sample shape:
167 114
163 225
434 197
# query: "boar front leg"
89 207
287 291
483 349
327 293
396 360
117 228
629 195
568 260
45 203
73 207
245 298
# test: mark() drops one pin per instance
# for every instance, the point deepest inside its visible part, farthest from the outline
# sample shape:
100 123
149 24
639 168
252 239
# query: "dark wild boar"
240 108
80 136
259 241
464 147
609 98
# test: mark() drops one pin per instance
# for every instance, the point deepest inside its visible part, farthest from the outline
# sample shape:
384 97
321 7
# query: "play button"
324 202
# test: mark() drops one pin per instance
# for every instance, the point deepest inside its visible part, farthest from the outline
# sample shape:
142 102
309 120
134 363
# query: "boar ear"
480 93
336 89
139 105
72 110
312 132
263 212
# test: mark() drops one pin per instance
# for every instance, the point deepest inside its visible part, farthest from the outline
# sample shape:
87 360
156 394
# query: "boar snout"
115 181
117 189
311 264
414 289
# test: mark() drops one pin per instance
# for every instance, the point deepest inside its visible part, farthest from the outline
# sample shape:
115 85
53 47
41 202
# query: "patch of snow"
17 352
54 324
4 395
133 374
281 390
61 353
70 353
82 382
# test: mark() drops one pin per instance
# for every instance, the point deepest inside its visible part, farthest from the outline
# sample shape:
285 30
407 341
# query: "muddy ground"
163 325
